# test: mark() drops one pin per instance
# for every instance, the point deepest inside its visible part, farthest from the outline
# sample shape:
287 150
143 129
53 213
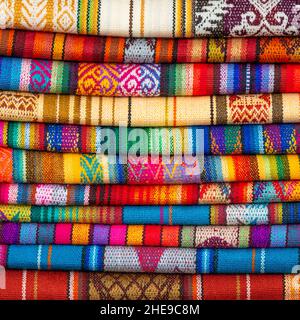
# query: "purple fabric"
260 236
10 233
101 234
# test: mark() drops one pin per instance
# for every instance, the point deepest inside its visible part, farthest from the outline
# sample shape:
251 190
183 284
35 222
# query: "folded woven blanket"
276 236
76 285
249 192
107 194
152 111
186 194
155 18
234 214
82 78
149 259
70 47
210 140
22 166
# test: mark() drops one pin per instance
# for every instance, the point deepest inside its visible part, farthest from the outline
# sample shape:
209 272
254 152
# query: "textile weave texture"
149 259
49 194
83 78
151 111
275 236
210 140
233 214
63 285
186 194
23 166
134 18
70 47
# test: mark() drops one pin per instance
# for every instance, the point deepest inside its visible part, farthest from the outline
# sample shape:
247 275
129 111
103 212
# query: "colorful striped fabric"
22 166
186 194
249 192
234 214
155 18
276 236
215 140
70 47
75 285
151 111
149 259
83 78
107 194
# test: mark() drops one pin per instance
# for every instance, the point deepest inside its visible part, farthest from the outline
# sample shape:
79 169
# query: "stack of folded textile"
99 102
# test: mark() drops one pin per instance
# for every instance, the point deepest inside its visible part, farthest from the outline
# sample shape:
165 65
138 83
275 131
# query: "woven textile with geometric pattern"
150 149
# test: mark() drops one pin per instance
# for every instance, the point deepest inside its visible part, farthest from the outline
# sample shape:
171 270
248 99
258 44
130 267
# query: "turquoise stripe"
18 161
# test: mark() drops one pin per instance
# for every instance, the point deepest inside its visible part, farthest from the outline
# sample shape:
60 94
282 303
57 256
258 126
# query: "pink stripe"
4 192
2 123
63 233
3 254
118 235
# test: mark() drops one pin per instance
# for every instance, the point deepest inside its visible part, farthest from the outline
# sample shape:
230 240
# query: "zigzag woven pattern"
276 236
186 194
149 259
215 140
47 76
147 143
234 214
249 192
75 285
70 47
183 18
151 111
21 166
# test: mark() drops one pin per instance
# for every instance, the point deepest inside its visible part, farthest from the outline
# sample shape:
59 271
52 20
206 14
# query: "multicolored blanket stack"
150 149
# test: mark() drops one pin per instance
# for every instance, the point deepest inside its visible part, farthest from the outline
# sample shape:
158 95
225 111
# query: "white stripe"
27 135
199 287
223 78
24 280
94 257
248 76
262 260
71 286
25 75
39 255
86 194
248 287
271 78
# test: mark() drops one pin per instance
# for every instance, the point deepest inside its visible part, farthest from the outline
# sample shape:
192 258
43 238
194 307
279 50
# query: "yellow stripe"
5 136
273 168
93 17
228 168
72 167
58 46
294 166
80 234
212 215
83 16
22 131
135 235
189 19
142 18
280 213
261 167
178 19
